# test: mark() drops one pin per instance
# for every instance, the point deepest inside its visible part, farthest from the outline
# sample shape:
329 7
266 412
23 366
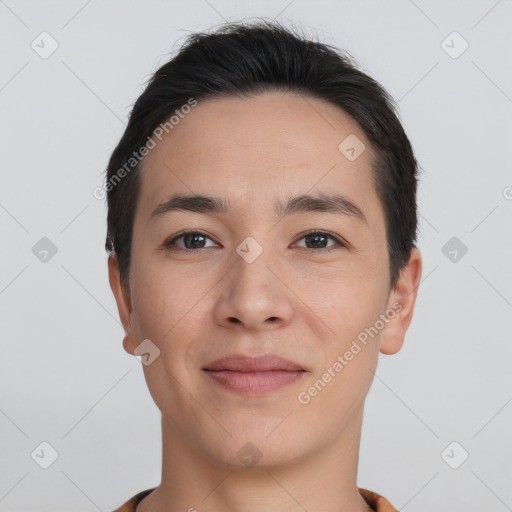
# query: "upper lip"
242 363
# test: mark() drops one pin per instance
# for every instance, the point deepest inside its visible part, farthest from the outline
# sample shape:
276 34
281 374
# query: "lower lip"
254 383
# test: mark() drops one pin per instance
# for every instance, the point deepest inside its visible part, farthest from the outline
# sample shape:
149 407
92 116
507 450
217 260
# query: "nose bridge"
251 274
253 295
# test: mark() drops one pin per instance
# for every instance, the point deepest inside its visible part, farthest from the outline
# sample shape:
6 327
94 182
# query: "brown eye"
193 240
319 239
189 240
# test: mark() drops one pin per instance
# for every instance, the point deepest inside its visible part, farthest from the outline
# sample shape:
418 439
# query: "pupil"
193 237
316 238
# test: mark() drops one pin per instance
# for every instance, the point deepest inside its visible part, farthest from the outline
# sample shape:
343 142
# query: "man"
261 225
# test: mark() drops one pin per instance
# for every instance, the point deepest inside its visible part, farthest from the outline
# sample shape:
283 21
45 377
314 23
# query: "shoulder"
132 503
376 501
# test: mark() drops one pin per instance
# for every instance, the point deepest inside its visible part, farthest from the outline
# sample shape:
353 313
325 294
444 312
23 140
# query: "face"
303 283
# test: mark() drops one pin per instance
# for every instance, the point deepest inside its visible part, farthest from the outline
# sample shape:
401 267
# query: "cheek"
153 307
169 309
161 297
347 300
341 383
168 312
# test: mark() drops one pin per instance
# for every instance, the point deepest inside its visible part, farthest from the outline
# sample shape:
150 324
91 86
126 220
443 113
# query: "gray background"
64 376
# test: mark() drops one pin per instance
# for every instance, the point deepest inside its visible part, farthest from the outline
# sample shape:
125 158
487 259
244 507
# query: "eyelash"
170 244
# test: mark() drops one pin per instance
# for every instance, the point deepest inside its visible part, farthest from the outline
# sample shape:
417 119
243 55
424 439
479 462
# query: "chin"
254 452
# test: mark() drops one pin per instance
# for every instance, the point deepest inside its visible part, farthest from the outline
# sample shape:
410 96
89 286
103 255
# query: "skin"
304 304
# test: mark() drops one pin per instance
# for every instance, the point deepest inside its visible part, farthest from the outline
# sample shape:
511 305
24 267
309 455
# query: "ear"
124 304
401 305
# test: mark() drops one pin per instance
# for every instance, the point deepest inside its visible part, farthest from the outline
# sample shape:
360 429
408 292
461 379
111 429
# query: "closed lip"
246 364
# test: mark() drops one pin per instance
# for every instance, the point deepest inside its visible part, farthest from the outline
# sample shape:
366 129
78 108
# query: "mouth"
242 363
253 376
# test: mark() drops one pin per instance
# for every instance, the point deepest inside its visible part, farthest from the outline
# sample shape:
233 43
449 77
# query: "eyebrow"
337 204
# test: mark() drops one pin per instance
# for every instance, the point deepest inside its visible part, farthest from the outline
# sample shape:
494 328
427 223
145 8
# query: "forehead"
256 150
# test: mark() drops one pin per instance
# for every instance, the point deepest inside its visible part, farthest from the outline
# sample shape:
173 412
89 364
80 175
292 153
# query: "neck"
320 481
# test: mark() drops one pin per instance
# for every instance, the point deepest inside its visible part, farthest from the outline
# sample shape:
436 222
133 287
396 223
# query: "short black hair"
243 59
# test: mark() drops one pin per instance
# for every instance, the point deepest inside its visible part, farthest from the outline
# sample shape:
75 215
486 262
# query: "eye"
191 240
317 240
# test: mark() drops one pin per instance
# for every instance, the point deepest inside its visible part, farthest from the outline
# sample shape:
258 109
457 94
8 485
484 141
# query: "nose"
253 297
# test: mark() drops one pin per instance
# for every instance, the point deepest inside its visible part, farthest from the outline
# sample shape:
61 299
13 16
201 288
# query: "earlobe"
123 301
129 344
402 300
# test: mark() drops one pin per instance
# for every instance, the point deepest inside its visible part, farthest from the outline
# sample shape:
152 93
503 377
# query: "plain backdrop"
65 380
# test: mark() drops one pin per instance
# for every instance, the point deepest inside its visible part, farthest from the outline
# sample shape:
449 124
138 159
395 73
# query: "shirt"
377 502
